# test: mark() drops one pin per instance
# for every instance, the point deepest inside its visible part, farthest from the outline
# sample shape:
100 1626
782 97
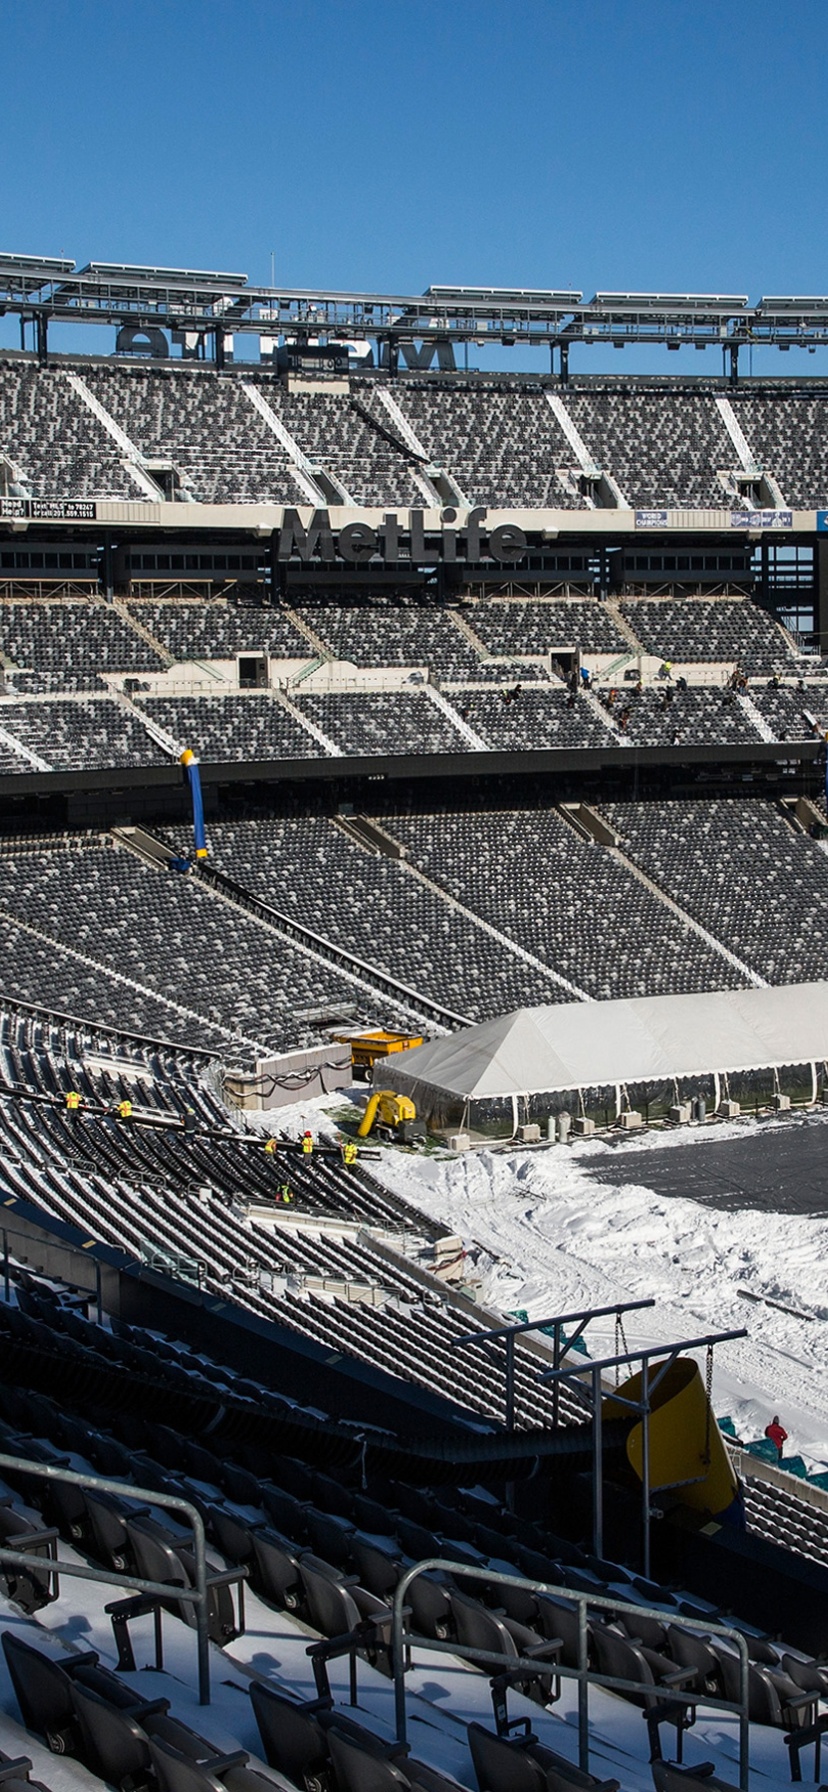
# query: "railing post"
583 1687
645 1463
202 1609
510 1407
6 1276
556 1363
744 1719
398 1656
597 1466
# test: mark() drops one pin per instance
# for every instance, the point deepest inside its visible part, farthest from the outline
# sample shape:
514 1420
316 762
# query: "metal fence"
197 1596
403 1640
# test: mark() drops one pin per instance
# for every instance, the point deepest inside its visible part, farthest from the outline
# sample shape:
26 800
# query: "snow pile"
554 1238
550 1236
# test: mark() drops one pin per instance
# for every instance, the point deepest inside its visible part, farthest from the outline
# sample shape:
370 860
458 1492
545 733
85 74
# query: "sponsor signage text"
398 539
761 519
60 510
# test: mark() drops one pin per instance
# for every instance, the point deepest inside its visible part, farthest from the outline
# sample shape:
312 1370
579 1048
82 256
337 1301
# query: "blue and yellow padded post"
190 764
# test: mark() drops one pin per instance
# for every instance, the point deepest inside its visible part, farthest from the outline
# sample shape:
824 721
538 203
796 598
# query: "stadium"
352 698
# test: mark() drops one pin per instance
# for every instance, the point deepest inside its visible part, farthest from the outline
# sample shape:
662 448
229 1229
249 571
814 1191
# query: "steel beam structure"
46 290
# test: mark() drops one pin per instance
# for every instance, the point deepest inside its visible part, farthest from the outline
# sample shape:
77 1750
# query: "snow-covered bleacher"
394 633
206 427
56 443
69 644
240 437
662 447
501 444
567 901
671 717
786 431
232 727
542 628
351 440
164 939
219 630
532 716
307 867
719 629
323 1537
69 734
741 868
380 722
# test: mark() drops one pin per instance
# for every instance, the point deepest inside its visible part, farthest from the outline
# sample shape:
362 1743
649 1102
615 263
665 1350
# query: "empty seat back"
502 1765
291 1737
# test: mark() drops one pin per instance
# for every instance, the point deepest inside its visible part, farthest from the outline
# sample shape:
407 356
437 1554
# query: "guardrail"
402 1640
196 1596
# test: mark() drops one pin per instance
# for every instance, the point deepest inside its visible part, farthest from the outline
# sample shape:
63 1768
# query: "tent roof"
642 1039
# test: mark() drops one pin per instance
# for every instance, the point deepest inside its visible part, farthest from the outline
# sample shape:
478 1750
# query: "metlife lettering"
395 540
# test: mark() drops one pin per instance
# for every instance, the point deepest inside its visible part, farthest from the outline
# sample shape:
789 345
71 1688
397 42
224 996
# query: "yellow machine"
687 1454
392 1117
368 1049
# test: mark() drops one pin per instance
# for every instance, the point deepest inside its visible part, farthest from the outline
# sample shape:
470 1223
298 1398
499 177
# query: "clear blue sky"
623 144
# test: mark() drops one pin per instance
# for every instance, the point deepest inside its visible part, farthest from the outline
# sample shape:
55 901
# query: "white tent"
642 1039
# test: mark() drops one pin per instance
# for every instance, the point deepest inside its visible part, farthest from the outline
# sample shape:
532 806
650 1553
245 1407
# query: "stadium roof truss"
44 290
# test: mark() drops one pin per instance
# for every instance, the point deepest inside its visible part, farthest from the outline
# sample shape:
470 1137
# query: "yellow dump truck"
369 1049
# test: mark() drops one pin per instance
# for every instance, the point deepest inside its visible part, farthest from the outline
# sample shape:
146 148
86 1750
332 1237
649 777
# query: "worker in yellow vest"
285 1195
307 1144
124 1110
350 1152
73 1102
272 1147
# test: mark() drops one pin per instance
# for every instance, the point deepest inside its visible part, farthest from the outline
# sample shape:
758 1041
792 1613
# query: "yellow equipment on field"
368 1049
392 1117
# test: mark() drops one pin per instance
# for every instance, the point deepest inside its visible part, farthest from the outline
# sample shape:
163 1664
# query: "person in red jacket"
777 1434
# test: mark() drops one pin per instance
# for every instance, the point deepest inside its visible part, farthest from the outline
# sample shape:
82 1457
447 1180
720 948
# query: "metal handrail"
402 1639
196 1596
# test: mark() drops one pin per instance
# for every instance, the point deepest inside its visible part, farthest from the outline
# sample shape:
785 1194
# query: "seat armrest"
31 1539
549 1651
681 1677
19 1768
219 1764
524 1725
227 1577
149 1708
